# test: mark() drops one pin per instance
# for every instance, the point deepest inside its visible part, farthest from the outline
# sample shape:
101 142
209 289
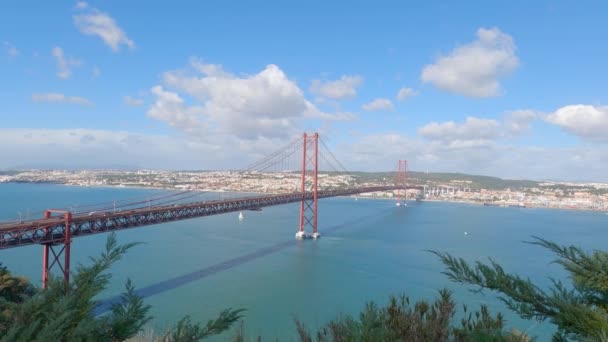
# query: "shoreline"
257 192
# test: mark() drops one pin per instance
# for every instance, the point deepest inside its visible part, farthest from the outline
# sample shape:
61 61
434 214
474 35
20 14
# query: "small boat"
241 217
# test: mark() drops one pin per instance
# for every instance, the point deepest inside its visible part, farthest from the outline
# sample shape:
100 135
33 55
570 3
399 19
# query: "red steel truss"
310 171
53 230
58 227
53 247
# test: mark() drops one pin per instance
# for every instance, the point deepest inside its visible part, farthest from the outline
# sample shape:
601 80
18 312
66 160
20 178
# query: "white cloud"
374 152
133 101
378 105
93 22
519 121
40 147
472 129
474 69
64 64
338 116
343 88
380 152
405 93
170 108
211 70
110 148
479 131
586 121
263 105
11 50
60 98
95 72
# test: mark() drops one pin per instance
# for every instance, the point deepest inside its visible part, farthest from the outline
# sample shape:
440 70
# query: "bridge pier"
401 181
310 170
51 249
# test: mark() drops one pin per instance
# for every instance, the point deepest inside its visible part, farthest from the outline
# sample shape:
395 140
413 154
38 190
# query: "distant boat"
241 217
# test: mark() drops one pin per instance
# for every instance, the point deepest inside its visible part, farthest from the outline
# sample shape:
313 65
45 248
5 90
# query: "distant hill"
455 179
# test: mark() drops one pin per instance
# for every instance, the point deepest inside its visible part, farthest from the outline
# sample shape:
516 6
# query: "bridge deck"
53 230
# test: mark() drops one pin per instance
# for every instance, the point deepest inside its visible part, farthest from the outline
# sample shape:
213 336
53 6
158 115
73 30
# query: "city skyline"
514 91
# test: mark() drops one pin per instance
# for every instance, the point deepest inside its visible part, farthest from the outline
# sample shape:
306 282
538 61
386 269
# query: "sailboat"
241 217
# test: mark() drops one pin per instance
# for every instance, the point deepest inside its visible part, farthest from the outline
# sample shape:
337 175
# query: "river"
369 249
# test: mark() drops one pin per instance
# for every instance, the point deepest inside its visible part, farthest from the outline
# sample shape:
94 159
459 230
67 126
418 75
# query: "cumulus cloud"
11 50
93 22
405 93
586 121
169 107
133 101
263 105
60 98
478 131
378 105
475 69
64 63
343 88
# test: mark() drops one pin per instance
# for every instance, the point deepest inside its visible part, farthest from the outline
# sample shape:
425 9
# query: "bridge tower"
401 180
308 204
52 250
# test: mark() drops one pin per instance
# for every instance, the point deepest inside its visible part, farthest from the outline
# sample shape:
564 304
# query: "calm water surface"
369 249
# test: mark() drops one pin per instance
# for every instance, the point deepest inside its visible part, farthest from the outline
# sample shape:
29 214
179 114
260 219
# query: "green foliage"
424 321
186 331
579 311
129 317
66 313
13 291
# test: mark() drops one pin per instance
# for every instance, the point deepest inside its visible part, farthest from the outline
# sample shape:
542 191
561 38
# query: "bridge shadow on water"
170 284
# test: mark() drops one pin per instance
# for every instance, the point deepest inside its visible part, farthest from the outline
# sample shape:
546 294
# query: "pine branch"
579 312
186 331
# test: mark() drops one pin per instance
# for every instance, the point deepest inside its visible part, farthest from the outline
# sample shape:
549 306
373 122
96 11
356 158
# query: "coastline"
120 186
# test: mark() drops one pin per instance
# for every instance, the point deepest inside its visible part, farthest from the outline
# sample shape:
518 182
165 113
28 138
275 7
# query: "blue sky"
516 89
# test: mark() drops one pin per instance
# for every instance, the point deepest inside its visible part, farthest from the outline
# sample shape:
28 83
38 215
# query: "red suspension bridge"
58 227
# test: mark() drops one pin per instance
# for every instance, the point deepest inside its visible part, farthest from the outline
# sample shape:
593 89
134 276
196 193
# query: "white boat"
241 217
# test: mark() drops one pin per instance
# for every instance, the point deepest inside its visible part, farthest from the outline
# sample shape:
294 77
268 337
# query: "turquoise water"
369 249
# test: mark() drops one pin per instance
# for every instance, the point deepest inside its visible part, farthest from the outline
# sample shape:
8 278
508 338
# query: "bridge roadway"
52 230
